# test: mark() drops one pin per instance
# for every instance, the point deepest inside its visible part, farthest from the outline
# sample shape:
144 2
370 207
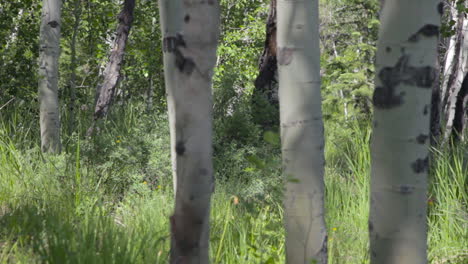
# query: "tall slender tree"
77 10
190 32
302 140
266 83
454 94
111 76
405 68
49 52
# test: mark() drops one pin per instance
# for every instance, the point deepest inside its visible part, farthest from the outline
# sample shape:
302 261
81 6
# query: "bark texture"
190 30
111 75
266 83
406 72
302 140
49 52
453 93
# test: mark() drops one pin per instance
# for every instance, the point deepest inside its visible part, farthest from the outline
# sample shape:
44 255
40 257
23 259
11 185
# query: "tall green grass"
113 207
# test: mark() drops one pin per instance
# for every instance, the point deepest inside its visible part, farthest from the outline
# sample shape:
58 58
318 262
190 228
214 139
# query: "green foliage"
348 40
58 209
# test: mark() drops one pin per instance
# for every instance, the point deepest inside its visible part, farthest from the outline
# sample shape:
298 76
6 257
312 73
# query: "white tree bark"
456 68
190 30
49 52
406 59
302 138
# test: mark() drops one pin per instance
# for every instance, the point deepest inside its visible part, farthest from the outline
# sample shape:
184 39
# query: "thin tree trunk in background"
460 120
266 83
405 67
302 139
456 68
111 74
149 101
434 123
14 32
49 52
73 65
190 32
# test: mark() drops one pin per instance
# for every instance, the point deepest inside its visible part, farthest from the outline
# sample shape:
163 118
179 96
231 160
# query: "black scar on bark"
440 8
186 18
371 226
426 110
420 165
180 148
388 49
53 24
428 30
385 96
184 64
421 139
172 45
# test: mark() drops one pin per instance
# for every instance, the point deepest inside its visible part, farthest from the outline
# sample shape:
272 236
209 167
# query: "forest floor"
109 200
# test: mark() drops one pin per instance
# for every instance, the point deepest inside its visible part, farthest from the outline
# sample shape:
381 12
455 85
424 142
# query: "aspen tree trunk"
190 30
72 86
302 140
150 94
49 52
455 71
112 72
405 67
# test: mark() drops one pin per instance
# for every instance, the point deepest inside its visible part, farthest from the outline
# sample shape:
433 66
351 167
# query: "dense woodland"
87 177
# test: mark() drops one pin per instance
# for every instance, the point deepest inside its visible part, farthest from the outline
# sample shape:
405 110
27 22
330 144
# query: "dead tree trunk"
111 74
266 83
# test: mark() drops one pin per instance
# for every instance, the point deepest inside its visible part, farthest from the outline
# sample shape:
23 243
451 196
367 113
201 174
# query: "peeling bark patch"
53 24
440 8
170 44
427 30
180 148
285 55
385 97
421 139
420 165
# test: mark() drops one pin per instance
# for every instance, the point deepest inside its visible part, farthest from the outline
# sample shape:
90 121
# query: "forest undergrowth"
108 199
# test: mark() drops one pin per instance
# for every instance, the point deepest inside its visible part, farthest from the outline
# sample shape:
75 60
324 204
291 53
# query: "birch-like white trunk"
456 68
190 30
405 68
302 140
49 52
